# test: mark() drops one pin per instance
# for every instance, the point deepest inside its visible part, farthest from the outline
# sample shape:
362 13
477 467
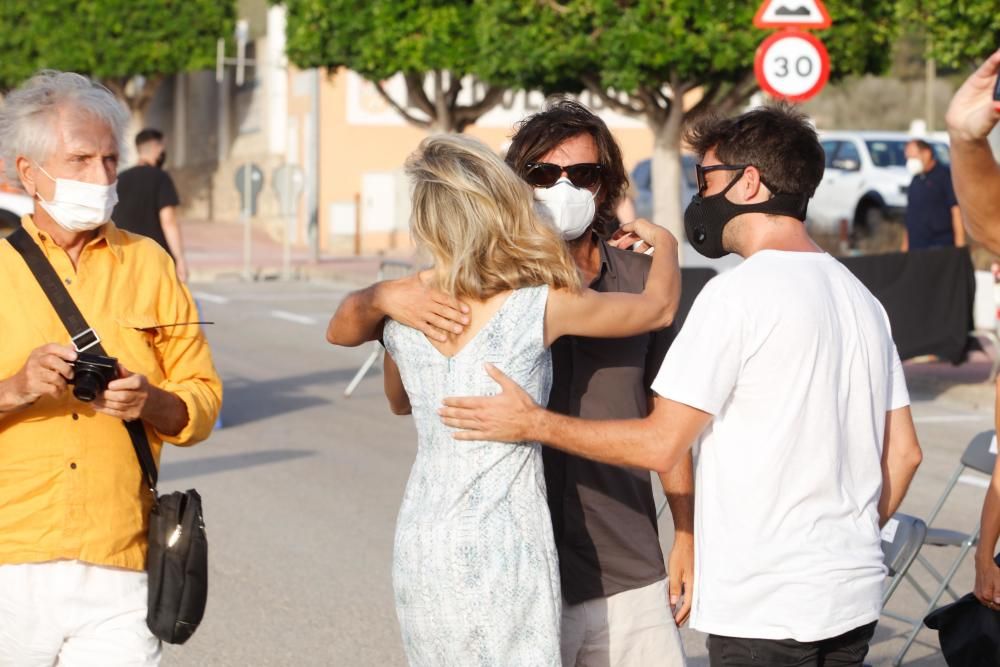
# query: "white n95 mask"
77 206
915 166
570 208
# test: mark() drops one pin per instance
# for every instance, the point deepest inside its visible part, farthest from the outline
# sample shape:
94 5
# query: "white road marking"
975 480
211 298
947 419
292 317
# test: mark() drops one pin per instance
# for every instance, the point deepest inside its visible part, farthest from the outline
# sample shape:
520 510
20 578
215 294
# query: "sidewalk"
214 251
966 386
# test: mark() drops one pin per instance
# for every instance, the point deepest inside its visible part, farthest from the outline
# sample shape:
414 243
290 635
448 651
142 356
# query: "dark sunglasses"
546 174
700 171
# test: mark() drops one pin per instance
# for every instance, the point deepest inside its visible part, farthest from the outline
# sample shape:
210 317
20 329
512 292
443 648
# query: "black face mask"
160 161
706 217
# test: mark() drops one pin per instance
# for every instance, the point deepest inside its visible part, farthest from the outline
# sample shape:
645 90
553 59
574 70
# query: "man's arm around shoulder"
357 320
408 300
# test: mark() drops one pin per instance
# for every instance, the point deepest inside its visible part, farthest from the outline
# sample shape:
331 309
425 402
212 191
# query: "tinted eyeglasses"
700 171
546 174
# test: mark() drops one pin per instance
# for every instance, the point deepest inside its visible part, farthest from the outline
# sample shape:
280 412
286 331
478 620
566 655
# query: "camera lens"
87 385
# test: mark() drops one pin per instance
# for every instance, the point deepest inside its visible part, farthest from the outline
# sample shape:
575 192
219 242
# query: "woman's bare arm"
617 314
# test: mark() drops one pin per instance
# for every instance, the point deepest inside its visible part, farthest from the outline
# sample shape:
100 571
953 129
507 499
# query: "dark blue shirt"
928 210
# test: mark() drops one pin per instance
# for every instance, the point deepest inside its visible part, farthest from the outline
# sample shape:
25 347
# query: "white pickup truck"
865 181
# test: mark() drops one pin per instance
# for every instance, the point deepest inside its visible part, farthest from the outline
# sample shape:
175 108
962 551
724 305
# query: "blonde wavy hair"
476 218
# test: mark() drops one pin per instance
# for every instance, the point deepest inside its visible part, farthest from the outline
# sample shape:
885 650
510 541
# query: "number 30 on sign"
792 65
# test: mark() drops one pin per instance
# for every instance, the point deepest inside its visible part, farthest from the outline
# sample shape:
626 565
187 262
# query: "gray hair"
28 111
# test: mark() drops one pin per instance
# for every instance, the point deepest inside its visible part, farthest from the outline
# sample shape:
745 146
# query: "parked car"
642 182
865 181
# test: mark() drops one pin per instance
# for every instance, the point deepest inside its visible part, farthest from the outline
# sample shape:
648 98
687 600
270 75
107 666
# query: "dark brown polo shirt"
603 516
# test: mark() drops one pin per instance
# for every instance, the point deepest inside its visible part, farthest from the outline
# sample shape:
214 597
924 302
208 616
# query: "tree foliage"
652 49
959 32
430 42
642 57
112 40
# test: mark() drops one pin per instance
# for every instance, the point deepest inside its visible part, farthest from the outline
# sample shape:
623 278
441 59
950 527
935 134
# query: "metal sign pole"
287 182
247 197
242 35
286 251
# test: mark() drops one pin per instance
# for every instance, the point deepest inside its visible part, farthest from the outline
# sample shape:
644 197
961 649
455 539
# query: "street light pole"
930 75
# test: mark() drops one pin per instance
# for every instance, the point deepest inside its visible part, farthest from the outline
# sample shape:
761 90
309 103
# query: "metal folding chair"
980 455
389 269
902 537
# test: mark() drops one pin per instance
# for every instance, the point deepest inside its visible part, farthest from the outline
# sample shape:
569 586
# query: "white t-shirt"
793 357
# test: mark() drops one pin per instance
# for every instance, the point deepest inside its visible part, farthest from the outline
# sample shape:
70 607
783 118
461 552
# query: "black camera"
91 375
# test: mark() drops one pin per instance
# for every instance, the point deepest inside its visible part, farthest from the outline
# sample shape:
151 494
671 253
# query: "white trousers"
72 614
631 629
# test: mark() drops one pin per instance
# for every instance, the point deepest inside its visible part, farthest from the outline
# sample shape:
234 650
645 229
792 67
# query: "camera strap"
82 335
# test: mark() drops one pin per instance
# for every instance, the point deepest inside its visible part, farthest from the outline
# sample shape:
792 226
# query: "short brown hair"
778 140
563 119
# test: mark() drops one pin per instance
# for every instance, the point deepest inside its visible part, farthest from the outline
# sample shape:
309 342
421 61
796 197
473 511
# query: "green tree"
430 42
129 45
641 57
958 32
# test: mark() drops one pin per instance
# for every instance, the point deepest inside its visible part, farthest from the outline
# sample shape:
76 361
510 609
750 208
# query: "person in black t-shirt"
933 219
147 199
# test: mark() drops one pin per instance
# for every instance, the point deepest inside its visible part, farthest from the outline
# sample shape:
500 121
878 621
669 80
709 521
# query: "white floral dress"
475 569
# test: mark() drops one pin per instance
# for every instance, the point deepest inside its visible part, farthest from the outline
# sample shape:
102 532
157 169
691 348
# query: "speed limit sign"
792 65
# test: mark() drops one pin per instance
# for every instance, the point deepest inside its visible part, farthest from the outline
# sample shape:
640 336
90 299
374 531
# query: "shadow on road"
246 401
214 464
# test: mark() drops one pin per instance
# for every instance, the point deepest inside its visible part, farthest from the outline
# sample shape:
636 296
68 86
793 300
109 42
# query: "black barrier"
927 295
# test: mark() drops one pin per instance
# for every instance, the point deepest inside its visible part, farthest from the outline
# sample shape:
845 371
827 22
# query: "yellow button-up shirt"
70 484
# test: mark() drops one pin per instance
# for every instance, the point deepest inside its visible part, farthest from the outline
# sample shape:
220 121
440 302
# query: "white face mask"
570 208
915 166
78 206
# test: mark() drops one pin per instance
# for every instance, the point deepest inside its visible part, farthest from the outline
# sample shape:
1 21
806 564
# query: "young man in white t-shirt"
786 372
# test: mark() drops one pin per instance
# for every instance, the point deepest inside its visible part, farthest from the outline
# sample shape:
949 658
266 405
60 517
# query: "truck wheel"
869 217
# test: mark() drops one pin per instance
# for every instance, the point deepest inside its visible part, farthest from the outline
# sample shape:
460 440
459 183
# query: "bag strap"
83 337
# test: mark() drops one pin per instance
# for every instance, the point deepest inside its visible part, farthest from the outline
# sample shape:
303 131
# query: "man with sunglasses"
787 375
617 598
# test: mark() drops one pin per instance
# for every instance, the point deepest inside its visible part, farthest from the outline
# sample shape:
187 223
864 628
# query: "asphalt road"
301 488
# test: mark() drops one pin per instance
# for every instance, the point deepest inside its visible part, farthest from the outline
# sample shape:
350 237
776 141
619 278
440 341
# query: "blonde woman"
475 570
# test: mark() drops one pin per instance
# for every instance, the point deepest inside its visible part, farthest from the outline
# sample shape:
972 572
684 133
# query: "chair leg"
917 587
360 375
919 624
937 575
898 617
948 488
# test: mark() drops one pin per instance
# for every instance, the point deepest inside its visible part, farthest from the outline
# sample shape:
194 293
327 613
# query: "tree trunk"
136 122
443 120
137 103
443 125
667 205
440 105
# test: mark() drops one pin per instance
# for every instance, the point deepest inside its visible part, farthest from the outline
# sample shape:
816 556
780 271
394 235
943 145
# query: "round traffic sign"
792 65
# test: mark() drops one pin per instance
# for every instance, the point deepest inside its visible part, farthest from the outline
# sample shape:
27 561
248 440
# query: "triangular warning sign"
808 14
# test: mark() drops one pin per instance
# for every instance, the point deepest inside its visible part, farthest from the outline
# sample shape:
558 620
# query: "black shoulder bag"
177 562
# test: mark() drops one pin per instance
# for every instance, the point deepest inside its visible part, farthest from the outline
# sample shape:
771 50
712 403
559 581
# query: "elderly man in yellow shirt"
73 508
